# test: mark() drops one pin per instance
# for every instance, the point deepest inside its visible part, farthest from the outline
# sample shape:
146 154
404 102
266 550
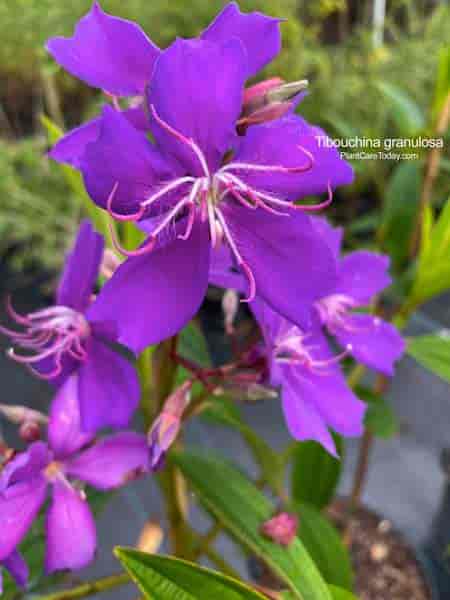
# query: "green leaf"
323 542
170 578
380 418
337 593
399 216
407 114
241 508
270 462
192 345
442 89
433 352
315 473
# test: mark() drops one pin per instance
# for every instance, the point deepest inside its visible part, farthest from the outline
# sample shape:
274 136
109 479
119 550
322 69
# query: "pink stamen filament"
51 332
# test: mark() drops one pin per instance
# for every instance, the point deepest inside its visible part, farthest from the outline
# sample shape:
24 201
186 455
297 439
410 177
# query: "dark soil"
385 565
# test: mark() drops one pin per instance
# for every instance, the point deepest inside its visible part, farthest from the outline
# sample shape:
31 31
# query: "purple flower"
361 276
315 395
125 58
64 340
17 567
201 185
24 481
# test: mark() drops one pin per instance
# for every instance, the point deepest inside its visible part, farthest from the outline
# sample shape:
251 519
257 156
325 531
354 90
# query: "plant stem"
90 588
145 373
205 541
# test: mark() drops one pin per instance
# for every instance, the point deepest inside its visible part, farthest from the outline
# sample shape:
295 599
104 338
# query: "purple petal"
153 296
81 270
259 34
25 465
283 142
291 264
303 419
121 155
108 53
112 462
332 235
197 89
108 389
362 275
17 567
64 428
19 506
70 148
223 272
375 343
70 527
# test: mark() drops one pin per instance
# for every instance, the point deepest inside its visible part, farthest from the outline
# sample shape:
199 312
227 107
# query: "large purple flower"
361 276
60 464
201 185
315 395
125 58
63 340
17 567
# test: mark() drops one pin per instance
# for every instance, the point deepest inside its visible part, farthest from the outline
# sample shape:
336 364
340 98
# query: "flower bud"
166 426
21 414
281 529
230 306
110 262
151 538
268 100
30 431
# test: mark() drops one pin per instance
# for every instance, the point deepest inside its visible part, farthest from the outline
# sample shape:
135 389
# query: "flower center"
201 197
49 333
291 348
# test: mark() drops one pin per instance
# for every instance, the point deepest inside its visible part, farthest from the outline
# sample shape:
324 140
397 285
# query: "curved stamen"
136 216
320 206
18 318
182 138
240 261
239 166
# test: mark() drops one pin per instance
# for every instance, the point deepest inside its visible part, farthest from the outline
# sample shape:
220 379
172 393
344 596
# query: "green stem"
145 374
90 588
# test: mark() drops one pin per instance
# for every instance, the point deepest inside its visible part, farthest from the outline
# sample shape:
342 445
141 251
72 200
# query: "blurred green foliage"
355 89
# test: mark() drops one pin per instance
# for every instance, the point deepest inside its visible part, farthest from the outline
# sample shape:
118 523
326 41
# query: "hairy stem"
90 588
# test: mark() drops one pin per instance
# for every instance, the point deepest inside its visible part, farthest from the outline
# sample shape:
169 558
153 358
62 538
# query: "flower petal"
285 142
302 417
112 462
375 343
223 272
121 155
332 235
164 288
108 389
25 465
291 264
19 505
197 89
70 148
362 275
107 52
17 567
259 34
81 271
64 428
70 528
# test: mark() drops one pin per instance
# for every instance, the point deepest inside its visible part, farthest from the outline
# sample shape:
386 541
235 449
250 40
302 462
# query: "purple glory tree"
201 185
68 458
17 567
64 341
361 275
125 58
315 395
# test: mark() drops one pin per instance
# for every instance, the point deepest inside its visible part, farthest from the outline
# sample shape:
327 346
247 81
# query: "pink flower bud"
166 426
30 431
230 306
281 529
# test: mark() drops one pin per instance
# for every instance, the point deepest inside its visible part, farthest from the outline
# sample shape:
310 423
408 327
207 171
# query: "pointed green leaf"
380 418
337 593
406 113
241 508
325 547
315 473
170 578
433 352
